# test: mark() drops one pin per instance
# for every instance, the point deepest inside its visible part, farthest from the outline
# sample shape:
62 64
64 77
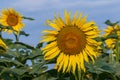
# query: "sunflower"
71 41
110 43
117 27
11 18
3 46
112 30
109 30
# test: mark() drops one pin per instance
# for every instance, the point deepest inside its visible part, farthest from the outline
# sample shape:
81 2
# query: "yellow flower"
3 46
108 31
112 29
11 18
71 42
117 27
110 43
118 33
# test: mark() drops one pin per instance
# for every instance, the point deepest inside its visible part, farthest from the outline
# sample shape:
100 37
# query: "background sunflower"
11 19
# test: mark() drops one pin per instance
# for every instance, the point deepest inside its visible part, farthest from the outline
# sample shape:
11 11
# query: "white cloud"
34 5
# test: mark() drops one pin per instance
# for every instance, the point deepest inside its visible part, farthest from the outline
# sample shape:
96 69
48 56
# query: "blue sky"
42 10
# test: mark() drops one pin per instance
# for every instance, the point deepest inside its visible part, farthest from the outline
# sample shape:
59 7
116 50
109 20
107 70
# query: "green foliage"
104 70
108 22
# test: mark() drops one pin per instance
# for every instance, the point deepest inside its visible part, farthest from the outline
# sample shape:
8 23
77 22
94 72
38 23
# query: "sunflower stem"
117 51
117 47
76 77
111 56
82 76
79 75
72 77
0 34
16 37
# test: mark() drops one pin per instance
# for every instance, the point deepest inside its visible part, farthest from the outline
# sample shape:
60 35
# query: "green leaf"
2 50
1 26
112 36
117 69
23 33
108 22
19 71
28 18
10 61
39 45
26 45
11 53
106 76
5 27
42 77
34 55
38 68
7 74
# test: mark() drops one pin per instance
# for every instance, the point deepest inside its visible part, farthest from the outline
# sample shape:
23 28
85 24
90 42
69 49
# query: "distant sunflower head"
12 19
110 43
3 46
117 28
112 30
71 41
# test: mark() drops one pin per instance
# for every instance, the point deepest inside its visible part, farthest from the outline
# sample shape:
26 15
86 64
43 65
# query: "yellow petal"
90 50
59 22
52 55
69 64
92 36
82 22
3 45
11 10
53 25
91 41
73 63
51 51
50 45
87 26
91 32
60 58
91 57
67 17
78 62
5 12
82 62
50 31
48 39
66 61
61 63
74 18
78 19
85 56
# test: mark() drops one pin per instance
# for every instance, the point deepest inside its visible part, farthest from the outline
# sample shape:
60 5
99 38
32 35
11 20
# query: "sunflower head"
117 27
110 43
108 31
11 18
112 30
71 41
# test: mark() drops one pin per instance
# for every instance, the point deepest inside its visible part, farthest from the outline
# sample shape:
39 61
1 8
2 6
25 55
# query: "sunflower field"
74 47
